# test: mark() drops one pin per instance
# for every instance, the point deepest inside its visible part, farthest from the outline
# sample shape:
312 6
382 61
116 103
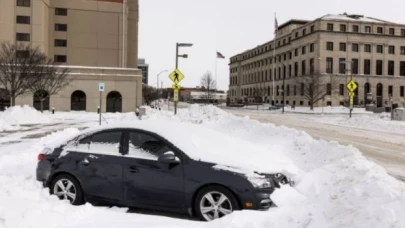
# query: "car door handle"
133 169
85 162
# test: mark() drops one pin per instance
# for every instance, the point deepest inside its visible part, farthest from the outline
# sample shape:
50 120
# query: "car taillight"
41 157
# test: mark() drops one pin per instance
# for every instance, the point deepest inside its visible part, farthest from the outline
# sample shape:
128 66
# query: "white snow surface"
335 185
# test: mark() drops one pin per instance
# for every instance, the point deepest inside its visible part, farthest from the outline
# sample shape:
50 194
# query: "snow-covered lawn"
335 185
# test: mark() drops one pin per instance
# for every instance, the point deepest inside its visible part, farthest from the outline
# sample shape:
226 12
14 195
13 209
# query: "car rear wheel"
66 187
215 202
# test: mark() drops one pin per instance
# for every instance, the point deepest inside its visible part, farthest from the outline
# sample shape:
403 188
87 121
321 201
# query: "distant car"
276 107
134 166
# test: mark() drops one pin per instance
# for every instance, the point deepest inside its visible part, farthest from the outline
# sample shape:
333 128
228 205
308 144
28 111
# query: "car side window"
145 146
105 142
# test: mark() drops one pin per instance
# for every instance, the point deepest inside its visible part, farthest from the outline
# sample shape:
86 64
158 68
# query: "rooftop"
353 17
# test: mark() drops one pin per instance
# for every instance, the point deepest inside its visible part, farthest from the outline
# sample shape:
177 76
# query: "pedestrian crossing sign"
176 76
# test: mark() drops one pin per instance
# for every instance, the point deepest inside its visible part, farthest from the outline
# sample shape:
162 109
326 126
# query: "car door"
100 170
147 181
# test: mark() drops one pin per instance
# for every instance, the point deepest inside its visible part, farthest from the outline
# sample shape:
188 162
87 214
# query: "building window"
61 11
60 58
342 46
303 67
279 43
312 28
342 66
22 54
25 3
402 32
302 89
355 28
296 69
283 41
368 29
304 32
380 30
329 46
296 35
367 48
343 28
329 65
296 52
391 50
380 49
390 90
23 20
289 71
304 50
401 91
355 47
285 57
328 89
341 89
311 66
402 50
392 31
290 54
23 37
379 67
311 47
295 90
63 43
330 27
355 66
391 67
61 27
402 68
367 66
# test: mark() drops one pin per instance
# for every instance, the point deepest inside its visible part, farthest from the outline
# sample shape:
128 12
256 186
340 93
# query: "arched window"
114 102
78 101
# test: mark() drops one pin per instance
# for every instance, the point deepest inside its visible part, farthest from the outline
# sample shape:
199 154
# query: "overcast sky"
229 26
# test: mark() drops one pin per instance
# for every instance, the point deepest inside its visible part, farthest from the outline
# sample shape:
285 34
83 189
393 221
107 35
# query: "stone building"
369 50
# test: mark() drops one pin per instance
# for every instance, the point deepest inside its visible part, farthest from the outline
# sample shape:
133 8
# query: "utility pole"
175 94
177 63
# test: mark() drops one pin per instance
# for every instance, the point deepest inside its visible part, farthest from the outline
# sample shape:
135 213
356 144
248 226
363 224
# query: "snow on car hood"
203 144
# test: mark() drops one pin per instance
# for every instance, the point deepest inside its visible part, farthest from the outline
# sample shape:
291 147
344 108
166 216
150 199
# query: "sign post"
176 76
351 86
101 88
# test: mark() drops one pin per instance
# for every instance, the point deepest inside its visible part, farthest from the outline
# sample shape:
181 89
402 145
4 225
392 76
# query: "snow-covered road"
385 148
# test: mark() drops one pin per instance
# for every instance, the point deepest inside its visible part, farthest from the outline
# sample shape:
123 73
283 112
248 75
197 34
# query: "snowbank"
13 117
335 185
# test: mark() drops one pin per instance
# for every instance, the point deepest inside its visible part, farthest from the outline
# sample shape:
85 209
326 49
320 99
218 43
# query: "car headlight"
260 181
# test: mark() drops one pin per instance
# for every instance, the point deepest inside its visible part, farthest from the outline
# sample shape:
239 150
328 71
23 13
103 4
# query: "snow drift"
335 185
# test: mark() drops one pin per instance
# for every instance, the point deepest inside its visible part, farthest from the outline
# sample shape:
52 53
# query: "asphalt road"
374 145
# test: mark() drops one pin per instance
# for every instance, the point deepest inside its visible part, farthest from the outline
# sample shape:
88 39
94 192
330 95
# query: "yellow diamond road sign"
176 86
351 94
351 86
176 76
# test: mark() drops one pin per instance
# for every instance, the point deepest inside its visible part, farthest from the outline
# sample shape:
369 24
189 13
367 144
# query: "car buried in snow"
147 165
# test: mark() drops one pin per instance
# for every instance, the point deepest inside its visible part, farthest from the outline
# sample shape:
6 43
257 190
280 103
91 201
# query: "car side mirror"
168 157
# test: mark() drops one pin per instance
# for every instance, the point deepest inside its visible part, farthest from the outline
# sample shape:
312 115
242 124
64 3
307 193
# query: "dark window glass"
61 27
304 50
304 32
145 146
379 67
343 28
367 66
367 48
402 68
328 89
355 28
22 54
330 27
342 65
290 54
402 50
303 67
60 58
296 35
402 32
311 66
342 46
311 47
312 28
296 69
341 89
289 71
390 90
392 31
63 43
380 49
401 91
25 3
355 47
391 50
302 89
61 11
380 30
107 137
329 65
296 52
23 37
23 20
329 46
391 68
368 29
355 66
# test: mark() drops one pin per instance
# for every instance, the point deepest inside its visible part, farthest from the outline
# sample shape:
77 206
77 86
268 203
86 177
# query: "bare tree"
258 94
149 94
314 87
208 82
48 79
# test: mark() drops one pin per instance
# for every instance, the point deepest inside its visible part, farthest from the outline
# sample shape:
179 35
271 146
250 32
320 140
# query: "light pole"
177 62
157 86
349 72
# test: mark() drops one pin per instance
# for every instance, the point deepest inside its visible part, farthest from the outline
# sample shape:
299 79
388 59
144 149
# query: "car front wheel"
215 202
66 187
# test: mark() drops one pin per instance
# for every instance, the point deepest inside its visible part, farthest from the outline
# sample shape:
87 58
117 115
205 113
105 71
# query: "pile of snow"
327 110
13 117
335 185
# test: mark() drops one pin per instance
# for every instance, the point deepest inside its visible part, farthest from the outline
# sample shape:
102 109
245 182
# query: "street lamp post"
349 73
157 86
177 63
283 92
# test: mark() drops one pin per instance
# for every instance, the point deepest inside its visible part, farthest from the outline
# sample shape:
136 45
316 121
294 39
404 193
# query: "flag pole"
274 59
216 73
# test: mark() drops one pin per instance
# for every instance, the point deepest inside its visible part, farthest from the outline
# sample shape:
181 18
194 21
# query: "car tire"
224 200
65 187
